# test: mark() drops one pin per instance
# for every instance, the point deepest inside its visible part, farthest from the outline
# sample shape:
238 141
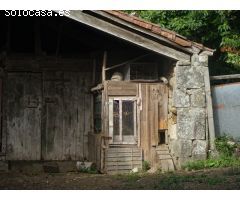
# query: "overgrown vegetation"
226 148
145 166
218 30
213 163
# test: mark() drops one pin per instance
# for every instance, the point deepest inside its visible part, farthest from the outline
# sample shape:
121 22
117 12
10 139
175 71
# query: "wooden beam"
127 62
104 66
224 77
127 35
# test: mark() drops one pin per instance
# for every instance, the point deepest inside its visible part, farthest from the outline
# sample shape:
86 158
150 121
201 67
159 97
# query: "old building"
105 87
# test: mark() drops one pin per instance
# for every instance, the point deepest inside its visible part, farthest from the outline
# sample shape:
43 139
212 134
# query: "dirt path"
211 179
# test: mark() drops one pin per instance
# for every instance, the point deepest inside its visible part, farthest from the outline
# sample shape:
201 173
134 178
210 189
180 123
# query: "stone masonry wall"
187 111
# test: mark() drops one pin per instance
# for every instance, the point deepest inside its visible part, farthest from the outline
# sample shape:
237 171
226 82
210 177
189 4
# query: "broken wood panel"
23 116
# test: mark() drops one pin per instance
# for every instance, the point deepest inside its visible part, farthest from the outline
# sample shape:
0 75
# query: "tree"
219 30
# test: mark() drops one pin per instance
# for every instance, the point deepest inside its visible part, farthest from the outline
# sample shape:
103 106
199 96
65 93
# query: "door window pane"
115 117
127 117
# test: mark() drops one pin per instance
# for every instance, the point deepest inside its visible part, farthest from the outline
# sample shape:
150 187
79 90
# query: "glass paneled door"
122 120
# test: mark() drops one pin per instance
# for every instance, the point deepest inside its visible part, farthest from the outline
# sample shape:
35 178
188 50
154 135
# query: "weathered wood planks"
67 116
23 116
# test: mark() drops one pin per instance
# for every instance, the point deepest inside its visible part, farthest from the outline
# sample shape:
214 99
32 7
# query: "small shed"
105 87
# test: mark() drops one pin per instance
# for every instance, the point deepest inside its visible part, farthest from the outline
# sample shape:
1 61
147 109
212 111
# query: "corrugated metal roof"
156 29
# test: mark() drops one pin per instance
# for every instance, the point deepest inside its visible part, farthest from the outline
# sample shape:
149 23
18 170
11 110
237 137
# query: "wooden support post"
209 109
104 66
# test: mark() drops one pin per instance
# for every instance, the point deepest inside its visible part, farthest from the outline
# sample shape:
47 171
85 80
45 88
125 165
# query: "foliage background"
218 30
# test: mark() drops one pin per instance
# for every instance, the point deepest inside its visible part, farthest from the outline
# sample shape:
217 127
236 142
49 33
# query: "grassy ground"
224 178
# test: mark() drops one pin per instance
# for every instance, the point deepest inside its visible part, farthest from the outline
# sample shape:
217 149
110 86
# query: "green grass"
213 163
179 182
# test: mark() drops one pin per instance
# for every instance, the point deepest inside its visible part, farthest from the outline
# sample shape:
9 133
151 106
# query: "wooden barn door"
23 116
66 116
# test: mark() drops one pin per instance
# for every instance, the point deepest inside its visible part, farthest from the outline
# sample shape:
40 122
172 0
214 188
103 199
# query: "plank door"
66 116
23 116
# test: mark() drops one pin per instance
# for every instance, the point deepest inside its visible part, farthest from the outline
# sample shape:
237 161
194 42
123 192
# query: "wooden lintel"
127 35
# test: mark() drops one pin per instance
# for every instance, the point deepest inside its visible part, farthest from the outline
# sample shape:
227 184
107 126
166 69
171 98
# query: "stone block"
189 77
203 60
199 124
184 63
198 98
185 124
180 98
172 131
191 123
199 151
182 148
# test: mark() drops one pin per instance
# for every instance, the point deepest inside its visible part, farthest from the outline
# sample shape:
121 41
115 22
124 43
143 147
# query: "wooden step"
162 152
118 160
164 158
167 165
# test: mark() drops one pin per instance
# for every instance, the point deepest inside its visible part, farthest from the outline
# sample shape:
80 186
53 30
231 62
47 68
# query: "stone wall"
187 111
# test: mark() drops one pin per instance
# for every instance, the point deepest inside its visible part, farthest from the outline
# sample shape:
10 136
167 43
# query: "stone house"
104 87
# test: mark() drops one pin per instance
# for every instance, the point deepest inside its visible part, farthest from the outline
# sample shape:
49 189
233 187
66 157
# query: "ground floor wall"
47 113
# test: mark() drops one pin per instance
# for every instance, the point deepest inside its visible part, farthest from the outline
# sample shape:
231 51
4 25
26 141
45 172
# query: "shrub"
145 166
225 146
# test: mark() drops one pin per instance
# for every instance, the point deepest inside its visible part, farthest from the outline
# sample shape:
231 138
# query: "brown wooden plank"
128 158
120 167
124 163
110 150
121 88
122 155
163 107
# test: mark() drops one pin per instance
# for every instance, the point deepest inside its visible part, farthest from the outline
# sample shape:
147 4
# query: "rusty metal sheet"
226 108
